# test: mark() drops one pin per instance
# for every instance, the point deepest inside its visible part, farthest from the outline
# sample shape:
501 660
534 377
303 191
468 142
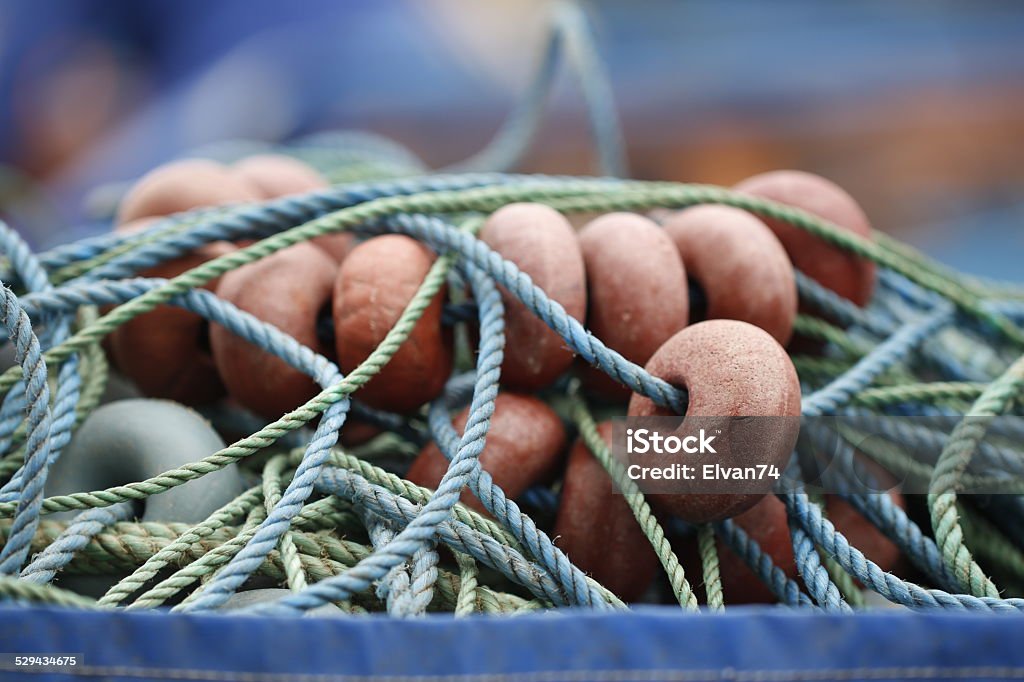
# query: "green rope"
942 496
204 567
272 489
22 590
322 553
465 602
570 197
637 504
709 563
991 544
269 434
311 549
929 394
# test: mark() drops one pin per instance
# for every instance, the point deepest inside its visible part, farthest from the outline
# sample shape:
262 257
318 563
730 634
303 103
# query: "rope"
709 564
57 555
955 457
334 527
635 499
512 542
39 424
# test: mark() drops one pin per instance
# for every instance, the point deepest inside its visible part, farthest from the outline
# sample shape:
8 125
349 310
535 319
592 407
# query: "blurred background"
916 108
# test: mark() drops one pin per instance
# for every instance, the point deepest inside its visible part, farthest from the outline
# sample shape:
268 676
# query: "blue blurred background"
916 108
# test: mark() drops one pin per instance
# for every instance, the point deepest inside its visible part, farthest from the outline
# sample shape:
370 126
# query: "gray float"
132 440
241 600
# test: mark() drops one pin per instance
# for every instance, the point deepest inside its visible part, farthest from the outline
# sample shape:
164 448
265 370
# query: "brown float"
524 447
373 287
739 264
541 242
636 291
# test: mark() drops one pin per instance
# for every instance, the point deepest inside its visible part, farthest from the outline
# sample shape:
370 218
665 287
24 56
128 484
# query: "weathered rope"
932 343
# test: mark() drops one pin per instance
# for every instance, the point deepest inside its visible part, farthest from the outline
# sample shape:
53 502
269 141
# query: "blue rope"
570 39
68 386
405 594
421 531
242 222
838 393
803 512
507 560
45 435
882 511
444 237
278 521
507 512
37 445
405 534
760 562
85 526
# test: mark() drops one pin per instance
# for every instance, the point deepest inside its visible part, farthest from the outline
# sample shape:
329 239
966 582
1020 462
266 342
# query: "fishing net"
341 526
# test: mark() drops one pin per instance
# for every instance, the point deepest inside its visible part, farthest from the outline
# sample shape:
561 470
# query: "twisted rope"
908 353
